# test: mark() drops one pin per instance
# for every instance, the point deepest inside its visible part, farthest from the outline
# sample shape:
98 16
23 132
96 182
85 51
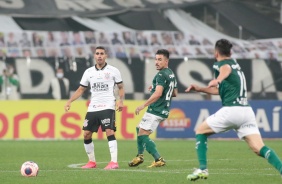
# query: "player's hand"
213 83
119 106
138 109
67 106
150 88
192 87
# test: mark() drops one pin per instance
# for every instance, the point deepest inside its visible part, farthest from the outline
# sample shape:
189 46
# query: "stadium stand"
101 24
154 21
8 24
50 24
241 15
66 34
232 14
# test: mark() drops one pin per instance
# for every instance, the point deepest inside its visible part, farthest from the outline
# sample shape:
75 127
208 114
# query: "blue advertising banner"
186 115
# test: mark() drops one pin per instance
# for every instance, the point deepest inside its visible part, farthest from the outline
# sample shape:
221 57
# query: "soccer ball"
29 169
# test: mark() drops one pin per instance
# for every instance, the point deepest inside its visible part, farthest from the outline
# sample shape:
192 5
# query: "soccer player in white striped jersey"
236 113
102 79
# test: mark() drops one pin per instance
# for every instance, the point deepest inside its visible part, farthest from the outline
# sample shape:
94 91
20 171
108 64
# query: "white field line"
153 171
227 171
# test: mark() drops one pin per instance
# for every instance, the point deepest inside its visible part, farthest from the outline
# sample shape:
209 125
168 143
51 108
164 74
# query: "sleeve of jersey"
84 80
118 78
160 80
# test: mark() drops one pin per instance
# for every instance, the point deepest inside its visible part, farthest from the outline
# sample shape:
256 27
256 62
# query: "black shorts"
105 118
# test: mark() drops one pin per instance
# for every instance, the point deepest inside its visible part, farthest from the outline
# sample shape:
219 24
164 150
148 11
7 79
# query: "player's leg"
140 146
250 133
143 141
151 148
89 149
255 142
215 123
139 159
107 118
112 142
89 126
202 133
147 126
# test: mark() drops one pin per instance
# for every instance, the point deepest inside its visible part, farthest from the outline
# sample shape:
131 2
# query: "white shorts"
150 122
241 119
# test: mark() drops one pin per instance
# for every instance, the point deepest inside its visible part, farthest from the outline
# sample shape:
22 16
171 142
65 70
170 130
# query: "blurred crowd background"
45 46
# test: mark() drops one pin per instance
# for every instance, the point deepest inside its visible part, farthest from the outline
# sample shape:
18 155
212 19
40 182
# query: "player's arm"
153 98
224 72
80 90
212 88
208 90
121 96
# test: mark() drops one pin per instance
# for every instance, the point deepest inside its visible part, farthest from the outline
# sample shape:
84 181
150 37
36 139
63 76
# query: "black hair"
163 52
223 46
102 48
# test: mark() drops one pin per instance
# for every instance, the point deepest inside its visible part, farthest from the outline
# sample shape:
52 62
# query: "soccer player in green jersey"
230 84
163 88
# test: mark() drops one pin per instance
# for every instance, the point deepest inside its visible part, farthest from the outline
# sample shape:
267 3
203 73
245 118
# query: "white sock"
89 149
113 150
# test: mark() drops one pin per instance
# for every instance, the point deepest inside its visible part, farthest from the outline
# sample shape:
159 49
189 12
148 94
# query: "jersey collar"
102 67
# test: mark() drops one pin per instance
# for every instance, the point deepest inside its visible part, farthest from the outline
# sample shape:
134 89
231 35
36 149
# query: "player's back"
233 89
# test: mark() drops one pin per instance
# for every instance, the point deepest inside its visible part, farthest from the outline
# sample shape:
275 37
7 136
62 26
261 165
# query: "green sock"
271 157
201 146
151 147
140 145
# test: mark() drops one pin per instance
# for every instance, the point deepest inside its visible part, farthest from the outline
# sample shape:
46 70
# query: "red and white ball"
29 169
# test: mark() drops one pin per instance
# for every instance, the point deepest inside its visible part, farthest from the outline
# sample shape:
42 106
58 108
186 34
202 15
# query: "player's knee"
87 135
143 132
256 150
204 128
109 132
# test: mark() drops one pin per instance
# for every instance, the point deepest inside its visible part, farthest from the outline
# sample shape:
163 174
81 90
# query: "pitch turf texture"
59 161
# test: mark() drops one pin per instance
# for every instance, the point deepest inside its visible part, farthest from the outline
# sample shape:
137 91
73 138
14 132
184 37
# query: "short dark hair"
102 48
163 52
223 46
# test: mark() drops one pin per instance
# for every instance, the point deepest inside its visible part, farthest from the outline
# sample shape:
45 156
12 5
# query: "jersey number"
170 90
243 87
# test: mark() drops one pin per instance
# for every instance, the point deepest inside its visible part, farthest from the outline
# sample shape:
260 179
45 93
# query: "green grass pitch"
230 162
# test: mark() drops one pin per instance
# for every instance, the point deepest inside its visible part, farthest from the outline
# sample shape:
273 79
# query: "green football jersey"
233 89
165 78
